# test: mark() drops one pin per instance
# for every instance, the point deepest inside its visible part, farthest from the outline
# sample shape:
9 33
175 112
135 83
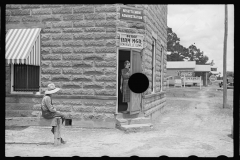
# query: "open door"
136 64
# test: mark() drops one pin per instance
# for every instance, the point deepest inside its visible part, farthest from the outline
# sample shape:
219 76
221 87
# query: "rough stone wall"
78 54
7 78
90 113
78 45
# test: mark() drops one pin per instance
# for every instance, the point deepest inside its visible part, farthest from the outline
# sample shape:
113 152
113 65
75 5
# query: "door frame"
126 49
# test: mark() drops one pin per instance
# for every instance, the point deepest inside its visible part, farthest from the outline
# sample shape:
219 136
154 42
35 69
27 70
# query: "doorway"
123 55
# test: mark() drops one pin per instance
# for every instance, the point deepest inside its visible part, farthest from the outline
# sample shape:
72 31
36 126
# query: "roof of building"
181 64
202 68
188 64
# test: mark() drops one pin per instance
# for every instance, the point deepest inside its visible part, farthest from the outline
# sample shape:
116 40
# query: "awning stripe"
22 46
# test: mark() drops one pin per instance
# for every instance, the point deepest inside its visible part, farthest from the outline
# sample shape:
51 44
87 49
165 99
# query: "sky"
204 26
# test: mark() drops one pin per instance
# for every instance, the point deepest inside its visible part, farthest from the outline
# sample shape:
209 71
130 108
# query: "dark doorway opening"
123 56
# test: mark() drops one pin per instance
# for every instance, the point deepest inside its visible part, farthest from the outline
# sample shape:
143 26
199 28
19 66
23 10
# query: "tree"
179 52
195 54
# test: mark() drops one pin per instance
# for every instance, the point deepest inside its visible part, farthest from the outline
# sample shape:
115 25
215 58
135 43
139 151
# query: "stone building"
78 48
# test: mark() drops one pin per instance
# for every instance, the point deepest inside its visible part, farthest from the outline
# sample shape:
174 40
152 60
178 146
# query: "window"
162 68
153 64
213 69
25 78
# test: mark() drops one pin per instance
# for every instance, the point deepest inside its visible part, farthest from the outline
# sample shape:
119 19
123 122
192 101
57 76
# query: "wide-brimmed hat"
51 89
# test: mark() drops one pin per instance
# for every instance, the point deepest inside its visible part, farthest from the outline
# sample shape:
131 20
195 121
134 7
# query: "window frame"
23 92
153 64
162 67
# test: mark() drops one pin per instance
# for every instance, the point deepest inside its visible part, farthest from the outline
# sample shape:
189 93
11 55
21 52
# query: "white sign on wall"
131 40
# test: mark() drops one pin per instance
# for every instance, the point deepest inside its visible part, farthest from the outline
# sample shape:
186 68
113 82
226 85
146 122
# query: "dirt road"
193 123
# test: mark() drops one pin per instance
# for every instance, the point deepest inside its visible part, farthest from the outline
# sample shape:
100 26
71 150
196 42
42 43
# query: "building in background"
189 69
81 49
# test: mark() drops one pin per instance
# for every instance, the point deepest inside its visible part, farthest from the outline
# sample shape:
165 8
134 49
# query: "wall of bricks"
79 54
77 43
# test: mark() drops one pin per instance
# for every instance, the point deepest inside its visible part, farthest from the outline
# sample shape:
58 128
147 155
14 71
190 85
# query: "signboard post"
192 80
131 14
131 40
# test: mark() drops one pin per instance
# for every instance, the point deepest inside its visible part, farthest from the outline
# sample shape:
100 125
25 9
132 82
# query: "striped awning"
23 46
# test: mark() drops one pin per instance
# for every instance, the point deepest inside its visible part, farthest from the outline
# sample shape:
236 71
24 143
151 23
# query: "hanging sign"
131 14
131 40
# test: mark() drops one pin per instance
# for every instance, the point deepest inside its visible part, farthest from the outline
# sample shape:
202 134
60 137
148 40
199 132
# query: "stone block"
63 108
105 36
104 109
45 84
82 64
45 64
45 37
106 64
111 30
94 85
72 71
51 70
72 30
74 115
64 10
106 78
37 107
83 10
8 13
83 92
46 18
82 108
45 77
72 57
62 24
62 64
136 25
111 104
94 43
111 43
110 85
72 85
94 16
83 50
95 103
110 57
72 102
105 24
105 92
93 71
83 36
51 6
82 78
72 43
65 36
62 50
41 11
12 19
105 49
93 56
46 50
74 17
94 29
110 71
83 24
30 6
51 43
65 92
13 6
111 16
61 77
32 19
127 30
106 9
54 30
22 12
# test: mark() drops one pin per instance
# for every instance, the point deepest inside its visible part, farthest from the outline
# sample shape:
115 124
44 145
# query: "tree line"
181 53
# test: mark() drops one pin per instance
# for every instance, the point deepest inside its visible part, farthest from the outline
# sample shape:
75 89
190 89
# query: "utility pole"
225 59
